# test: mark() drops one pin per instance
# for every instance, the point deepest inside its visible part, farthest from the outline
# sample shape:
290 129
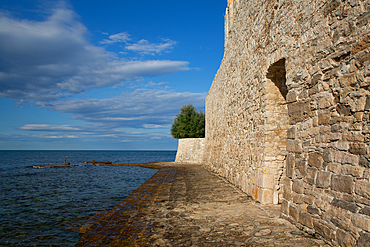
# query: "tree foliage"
188 123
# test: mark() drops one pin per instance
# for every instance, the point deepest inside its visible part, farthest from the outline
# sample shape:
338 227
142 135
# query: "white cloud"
155 138
150 109
52 59
153 84
48 127
155 126
46 63
144 47
116 38
53 136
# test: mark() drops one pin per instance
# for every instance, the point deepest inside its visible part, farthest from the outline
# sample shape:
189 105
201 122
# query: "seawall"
190 150
288 113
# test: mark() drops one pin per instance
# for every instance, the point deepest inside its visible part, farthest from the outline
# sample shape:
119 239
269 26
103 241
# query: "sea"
46 207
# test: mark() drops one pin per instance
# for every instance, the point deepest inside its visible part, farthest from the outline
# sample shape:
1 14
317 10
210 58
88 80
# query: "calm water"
45 207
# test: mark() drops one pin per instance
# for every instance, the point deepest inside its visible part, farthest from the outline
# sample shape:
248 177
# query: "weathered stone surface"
298 111
293 211
361 221
345 158
342 183
354 171
190 150
287 187
311 175
305 219
345 205
315 159
292 96
313 210
345 239
357 148
298 186
322 229
363 188
365 210
353 136
187 205
285 207
291 132
290 165
294 146
323 179
328 155
364 161
324 118
300 166
364 240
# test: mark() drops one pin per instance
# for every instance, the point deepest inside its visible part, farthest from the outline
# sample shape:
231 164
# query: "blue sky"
103 75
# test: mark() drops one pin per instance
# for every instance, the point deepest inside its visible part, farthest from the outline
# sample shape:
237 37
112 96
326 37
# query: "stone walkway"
187 205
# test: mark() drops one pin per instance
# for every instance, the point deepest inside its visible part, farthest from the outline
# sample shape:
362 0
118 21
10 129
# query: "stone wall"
288 113
190 150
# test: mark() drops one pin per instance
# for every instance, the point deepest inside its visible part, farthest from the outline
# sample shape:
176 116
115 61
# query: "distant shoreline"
151 165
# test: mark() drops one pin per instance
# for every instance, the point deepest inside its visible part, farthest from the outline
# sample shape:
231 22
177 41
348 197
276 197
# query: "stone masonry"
288 113
190 150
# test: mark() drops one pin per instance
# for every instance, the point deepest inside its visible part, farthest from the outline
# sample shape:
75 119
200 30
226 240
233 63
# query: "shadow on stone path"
187 205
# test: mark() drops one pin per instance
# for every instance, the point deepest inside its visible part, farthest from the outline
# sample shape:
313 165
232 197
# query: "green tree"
189 123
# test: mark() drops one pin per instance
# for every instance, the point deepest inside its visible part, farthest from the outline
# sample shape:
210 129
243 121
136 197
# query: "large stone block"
300 170
266 196
348 80
294 146
291 133
299 111
354 171
290 165
357 148
326 102
315 159
345 239
365 210
342 183
323 179
364 240
345 158
298 186
287 183
285 207
291 96
328 155
350 206
305 219
355 136
265 181
362 188
293 212
322 229
361 221
311 175
313 210
324 118
364 161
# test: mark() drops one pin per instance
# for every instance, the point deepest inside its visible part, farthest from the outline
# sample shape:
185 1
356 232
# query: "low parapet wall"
190 150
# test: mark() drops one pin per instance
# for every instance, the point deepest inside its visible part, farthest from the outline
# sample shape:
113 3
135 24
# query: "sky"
103 75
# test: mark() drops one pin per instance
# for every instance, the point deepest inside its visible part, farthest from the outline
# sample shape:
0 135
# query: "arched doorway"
276 124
